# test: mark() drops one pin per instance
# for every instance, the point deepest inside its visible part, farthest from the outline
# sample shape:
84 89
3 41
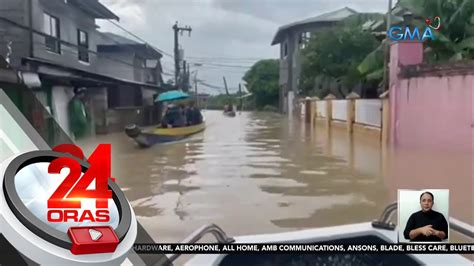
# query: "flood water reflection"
255 173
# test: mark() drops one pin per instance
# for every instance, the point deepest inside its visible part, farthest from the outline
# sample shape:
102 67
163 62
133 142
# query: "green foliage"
331 58
217 102
455 40
262 81
357 20
372 65
270 108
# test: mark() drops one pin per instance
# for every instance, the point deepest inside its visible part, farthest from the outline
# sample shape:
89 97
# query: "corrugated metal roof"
59 70
111 40
95 8
333 16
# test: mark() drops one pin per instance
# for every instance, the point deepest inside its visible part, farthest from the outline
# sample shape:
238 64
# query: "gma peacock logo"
398 33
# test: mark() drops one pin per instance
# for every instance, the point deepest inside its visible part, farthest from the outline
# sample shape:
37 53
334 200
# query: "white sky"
229 32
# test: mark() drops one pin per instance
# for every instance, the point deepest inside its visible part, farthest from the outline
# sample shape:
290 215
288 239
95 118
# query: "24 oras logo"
66 202
398 33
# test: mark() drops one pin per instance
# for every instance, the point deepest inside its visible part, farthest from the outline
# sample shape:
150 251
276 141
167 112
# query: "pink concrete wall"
431 119
428 112
434 113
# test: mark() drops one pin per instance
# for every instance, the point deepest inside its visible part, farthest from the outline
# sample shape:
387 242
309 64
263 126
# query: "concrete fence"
368 112
339 110
362 114
321 109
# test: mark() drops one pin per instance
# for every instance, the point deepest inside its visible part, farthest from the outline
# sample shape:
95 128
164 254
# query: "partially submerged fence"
367 114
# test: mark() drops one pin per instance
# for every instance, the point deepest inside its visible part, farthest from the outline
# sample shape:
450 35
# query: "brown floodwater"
261 173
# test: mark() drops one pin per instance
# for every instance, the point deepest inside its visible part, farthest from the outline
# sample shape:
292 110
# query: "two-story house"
54 45
292 37
143 65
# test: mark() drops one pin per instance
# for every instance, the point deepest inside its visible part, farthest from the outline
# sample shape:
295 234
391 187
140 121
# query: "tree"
371 68
455 40
331 57
262 81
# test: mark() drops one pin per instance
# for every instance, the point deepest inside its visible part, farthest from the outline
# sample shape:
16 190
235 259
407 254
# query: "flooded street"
256 169
358 122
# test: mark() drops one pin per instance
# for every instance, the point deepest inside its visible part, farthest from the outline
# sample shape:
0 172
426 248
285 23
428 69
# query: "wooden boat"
230 113
151 137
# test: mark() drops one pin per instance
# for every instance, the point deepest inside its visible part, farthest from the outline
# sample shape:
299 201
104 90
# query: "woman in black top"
426 225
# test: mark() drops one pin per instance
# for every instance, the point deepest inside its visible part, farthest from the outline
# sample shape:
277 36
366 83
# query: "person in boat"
183 110
426 225
174 117
193 115
228 108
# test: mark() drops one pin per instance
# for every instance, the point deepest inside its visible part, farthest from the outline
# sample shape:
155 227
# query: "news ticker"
304 248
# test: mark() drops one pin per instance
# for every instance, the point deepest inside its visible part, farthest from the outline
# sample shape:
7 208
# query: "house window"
51 28
83 45
285 49
304 39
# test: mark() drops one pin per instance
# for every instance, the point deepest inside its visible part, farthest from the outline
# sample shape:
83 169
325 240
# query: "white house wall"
60 100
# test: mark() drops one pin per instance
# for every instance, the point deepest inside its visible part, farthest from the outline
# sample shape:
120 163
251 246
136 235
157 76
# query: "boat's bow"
147 138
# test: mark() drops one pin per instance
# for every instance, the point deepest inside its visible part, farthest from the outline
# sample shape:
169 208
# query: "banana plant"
455 39
372 65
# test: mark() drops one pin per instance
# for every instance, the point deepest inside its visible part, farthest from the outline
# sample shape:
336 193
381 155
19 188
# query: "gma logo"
398 33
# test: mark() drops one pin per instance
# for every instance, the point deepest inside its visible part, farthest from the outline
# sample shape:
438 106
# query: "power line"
227 58
227 70
209 85
76 52
202 82
109 58
74 45
65 43
225 61
168 54
105 35
171 56
145 42
133 34
224 65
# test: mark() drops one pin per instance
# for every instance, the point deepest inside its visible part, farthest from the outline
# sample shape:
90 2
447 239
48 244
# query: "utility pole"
184 85
188 77
196 89
386 50
225 86
30 24
177 30
240 97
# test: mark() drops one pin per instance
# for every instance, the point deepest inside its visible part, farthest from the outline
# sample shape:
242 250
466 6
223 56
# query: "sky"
235 33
